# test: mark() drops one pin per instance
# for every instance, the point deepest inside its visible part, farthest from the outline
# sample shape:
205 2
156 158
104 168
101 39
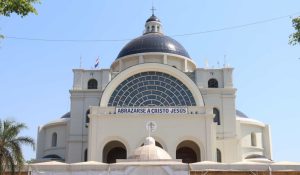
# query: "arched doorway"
188 151
114 150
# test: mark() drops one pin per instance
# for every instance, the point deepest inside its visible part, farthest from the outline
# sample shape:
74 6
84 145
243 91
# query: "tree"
295 37
11 155
20 7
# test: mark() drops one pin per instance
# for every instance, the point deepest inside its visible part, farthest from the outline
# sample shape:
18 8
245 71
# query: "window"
152 28
152 89
216 112
219 156
85 155
213 83
54 140
92 84
87 119
253 139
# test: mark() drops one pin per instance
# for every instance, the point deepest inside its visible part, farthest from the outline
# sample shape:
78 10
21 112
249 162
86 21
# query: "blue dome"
153 42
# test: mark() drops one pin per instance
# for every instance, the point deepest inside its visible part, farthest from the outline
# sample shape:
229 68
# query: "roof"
241 114
153 18
153 42
66 115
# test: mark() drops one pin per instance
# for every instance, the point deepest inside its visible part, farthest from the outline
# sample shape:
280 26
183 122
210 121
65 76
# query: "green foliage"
20 7
11 155
295 37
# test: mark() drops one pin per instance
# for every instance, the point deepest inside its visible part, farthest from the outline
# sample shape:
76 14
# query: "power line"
177 35
65 40
239 26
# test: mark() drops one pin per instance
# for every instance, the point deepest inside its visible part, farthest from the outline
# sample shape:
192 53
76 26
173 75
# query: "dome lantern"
153 24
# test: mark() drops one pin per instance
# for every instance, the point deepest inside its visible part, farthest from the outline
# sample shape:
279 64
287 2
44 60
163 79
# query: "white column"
165 59
185 65
267 142
141 59
210 136
120 65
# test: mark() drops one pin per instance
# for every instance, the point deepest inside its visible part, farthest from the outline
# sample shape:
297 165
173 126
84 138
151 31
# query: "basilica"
153 103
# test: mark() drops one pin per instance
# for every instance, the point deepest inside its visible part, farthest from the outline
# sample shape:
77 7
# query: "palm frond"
26 141
11 154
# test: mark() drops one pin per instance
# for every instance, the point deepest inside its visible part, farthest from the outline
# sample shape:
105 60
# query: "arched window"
152 28
213 83
92 84
219 156
54 140
253 139
217 116
85 155
87 119
151 89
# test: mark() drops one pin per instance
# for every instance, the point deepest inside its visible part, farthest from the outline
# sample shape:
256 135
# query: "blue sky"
36 75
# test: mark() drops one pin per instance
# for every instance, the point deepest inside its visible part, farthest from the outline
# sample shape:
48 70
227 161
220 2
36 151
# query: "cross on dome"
153 9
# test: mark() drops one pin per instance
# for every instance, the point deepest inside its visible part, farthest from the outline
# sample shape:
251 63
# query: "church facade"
153 83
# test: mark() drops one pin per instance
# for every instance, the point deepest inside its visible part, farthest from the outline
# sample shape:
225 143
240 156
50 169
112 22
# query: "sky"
36 75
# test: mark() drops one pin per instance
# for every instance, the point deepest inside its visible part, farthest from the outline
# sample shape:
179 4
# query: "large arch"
114 150
188 151
151 67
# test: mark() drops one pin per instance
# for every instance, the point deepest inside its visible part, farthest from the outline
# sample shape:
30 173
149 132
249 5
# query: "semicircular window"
152 89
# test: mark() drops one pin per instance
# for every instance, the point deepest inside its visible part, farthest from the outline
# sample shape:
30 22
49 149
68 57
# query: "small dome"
153 42
153 18
150 152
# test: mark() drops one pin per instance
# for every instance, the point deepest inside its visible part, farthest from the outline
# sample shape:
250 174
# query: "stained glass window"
152 89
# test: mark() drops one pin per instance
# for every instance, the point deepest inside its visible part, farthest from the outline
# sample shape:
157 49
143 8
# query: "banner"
151 110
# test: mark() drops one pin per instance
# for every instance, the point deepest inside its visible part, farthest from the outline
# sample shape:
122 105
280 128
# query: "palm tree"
11 155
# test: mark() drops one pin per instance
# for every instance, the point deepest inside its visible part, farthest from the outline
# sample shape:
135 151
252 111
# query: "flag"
97 63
